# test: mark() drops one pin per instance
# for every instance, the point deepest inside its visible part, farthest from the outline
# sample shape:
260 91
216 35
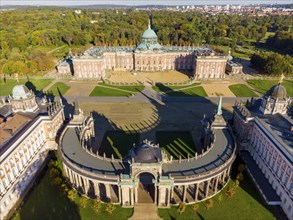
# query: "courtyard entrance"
146 188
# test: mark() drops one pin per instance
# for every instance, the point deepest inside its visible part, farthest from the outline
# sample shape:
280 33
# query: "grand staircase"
145 211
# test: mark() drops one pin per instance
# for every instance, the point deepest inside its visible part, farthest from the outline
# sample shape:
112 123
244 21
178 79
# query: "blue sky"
141 2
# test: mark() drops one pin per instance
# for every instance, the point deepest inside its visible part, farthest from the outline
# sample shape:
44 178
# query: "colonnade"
164 195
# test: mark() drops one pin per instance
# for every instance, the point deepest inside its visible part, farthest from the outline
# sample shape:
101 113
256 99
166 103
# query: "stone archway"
146 188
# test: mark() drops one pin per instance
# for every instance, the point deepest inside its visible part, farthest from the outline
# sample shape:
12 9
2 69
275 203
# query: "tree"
72 194
83 201
181 208
230 191
96 205
57 181
241 167
194 208
209 203
110 207
237 183
220 198
240 177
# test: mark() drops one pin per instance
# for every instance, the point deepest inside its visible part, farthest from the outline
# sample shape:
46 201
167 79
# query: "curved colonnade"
117 181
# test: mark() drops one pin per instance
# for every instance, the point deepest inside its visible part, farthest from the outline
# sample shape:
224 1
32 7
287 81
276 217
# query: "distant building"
233 67
149 55
28 130
265 132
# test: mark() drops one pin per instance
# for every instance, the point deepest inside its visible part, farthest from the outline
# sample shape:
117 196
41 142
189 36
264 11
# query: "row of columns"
163 195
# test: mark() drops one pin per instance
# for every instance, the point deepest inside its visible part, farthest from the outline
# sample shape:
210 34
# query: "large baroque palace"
28 130
149 55
265 131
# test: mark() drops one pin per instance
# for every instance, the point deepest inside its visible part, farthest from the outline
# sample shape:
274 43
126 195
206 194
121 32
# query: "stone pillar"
207 188
131 196
184 193
156 194
172 192
108 192
136 194
119 195
86 185
168 196
196 187
216 185
97 189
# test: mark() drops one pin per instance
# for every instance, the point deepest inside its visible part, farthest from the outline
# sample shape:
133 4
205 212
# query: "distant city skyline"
142 2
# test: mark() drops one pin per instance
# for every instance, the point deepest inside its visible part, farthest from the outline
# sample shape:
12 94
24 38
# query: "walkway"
145 211
260 180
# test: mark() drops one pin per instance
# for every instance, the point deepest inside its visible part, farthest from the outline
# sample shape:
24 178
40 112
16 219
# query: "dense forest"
25 34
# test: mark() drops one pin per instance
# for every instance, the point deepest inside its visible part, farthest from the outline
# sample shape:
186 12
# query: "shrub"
181 208
72 194
83 201
110 208
96 205
230 191
209 203
240 177
241 168
194 208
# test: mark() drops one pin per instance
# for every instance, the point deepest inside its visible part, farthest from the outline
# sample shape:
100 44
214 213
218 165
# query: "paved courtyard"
148 77
217 88
148 117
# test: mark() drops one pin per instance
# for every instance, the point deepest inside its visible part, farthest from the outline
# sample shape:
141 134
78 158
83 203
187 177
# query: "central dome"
149 33
146 153
21 92
277 92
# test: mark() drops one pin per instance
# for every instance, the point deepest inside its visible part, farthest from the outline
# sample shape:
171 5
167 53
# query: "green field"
117 143
34 84
184 90
262 86
241 90
245 204
176 143
46 201
110 90
57 89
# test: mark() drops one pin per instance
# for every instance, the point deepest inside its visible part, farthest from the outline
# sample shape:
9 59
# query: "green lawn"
57 89
34 84
46 201
245 204
176 143
241 90
262 86
118 143
115 90
184 90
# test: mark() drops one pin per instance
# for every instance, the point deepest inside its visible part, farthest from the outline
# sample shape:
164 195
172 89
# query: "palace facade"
265 131
146 171
149 55
28 130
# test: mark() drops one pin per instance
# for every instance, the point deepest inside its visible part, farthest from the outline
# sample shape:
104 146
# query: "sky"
141 2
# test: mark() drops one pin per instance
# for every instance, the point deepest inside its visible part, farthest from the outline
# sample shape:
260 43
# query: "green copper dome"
149 33
149 40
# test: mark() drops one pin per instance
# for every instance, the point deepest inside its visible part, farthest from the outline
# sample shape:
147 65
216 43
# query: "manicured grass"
262 86
110 90
245 204
57 89
241 90
47 201
34 84
184 90
118 143
137 88
166 88
176 143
